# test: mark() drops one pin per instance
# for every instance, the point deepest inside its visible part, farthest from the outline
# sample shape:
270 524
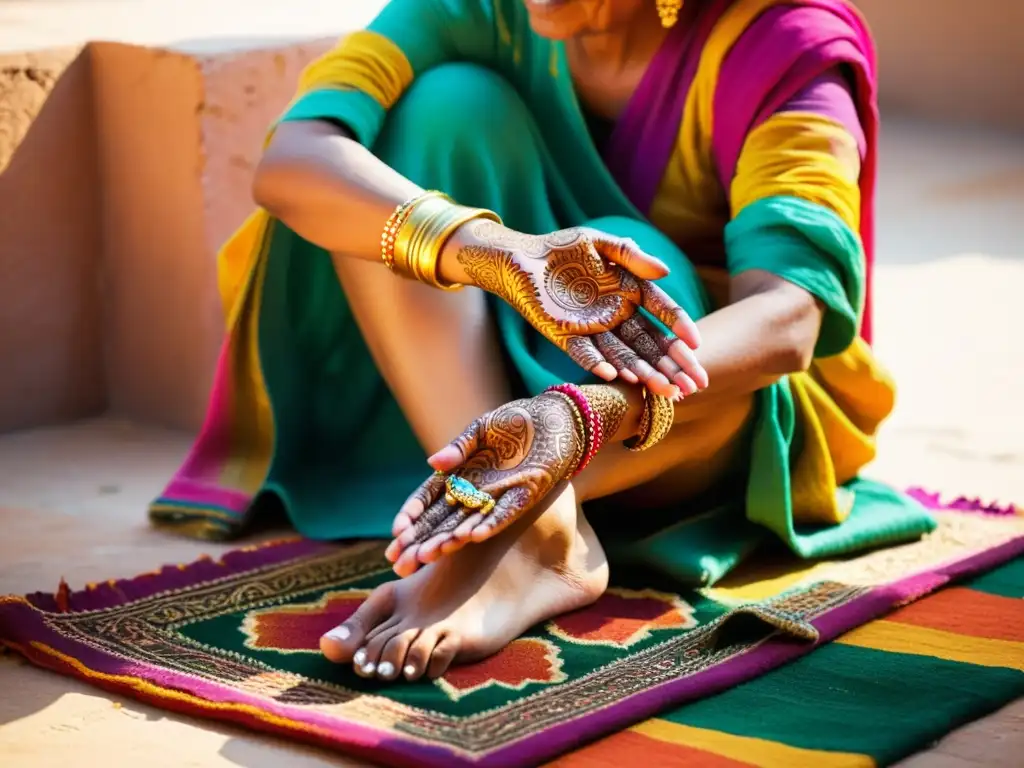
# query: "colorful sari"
713 157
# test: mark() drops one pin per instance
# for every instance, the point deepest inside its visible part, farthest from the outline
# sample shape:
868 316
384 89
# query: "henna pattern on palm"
517 453
582 302
557 282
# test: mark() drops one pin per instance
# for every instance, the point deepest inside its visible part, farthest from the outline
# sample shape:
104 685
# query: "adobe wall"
51 361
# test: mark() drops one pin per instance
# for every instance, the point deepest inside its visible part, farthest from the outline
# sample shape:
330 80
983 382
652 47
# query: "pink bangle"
593 427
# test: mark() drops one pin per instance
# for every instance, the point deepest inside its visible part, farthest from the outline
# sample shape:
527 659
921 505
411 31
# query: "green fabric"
345 458
362 114
810 246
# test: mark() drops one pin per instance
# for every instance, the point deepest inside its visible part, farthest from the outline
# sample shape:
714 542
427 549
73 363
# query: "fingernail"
409 670
386 669
360 658
369 668
341 633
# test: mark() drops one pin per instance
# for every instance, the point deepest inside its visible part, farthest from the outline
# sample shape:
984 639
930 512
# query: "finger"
422 529
417 503
628 255
687 361
459 449
623 358
678 362
663 307
430 549
633 333
510 507
408 562
585 355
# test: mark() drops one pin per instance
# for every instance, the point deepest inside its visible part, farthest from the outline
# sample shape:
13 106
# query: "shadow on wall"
51 349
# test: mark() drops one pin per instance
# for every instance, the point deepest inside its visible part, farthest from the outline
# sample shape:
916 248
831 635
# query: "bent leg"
440 352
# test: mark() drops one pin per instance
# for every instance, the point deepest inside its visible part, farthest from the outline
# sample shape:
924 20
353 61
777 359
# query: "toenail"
369 668
341 633
410 670
360 658
386 669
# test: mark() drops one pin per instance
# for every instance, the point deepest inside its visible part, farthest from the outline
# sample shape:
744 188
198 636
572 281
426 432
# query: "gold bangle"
658 419
419 240
394 223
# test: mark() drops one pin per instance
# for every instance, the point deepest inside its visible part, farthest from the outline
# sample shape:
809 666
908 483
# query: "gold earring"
668 11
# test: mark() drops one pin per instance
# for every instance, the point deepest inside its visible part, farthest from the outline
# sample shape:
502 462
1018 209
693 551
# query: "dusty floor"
72 499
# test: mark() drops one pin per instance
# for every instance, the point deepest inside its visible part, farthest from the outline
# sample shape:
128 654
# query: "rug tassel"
63 597
962 503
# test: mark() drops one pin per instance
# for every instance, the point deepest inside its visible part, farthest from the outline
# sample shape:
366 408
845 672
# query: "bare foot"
471 604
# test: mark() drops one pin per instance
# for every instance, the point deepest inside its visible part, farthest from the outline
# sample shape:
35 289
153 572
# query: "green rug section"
576 659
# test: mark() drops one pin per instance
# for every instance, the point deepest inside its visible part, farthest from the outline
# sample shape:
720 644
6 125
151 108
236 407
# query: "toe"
418 655
442 657
367 660
341 643
393 656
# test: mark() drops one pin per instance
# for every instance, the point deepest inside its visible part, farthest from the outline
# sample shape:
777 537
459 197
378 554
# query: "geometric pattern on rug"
232 639
876 695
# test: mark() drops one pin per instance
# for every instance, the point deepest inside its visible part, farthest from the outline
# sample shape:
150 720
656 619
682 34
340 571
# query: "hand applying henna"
516 455
582 289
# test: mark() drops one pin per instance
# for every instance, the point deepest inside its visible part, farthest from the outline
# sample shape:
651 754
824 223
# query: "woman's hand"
582 290
517 453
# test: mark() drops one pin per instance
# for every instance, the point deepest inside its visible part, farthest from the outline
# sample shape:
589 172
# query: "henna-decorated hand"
517 453
582 290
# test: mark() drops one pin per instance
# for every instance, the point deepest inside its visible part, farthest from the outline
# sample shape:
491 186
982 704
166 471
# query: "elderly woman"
594 174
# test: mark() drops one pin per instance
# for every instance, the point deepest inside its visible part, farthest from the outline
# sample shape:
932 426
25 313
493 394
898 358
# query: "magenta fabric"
779 55
646 132
831 96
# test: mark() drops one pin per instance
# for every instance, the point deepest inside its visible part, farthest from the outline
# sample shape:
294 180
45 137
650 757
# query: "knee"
459 106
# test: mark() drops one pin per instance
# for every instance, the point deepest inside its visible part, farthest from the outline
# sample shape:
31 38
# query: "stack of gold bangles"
417 231
655 424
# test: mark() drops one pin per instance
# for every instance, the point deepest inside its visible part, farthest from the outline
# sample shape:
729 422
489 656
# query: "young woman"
583 147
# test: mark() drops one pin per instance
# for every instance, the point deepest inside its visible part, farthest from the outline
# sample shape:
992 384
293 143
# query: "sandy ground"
72 499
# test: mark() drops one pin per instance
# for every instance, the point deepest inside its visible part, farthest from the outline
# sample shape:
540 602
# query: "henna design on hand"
557 282
634 332
527 446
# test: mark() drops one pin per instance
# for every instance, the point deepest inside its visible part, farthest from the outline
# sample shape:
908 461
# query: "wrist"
449 267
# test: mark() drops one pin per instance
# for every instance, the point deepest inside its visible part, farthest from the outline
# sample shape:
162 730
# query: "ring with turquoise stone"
459 491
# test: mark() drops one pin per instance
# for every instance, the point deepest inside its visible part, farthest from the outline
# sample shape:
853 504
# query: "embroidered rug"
236 639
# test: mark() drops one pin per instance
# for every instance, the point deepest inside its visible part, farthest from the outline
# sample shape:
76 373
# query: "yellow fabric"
841 401
800 154
364 61
690 204
241 270
894 637
749 750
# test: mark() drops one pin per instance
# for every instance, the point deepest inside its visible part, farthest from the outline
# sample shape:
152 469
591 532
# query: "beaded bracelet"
594 429
394 224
